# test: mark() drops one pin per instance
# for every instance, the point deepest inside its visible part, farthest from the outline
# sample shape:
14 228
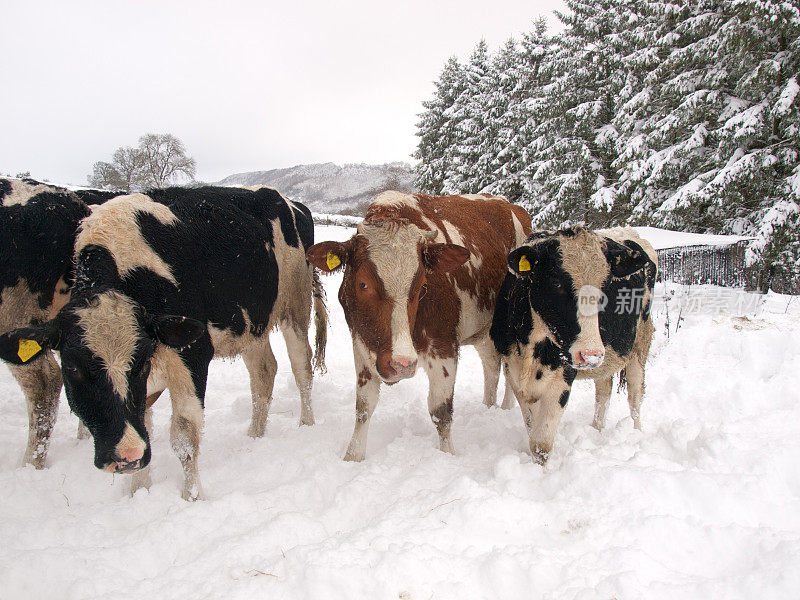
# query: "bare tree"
165 159
125 172
159 159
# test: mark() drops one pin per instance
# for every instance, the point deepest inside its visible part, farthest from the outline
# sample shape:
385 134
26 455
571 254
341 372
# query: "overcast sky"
246 85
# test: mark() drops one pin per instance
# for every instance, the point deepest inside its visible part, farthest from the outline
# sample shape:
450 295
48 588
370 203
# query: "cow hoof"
597 425
83 432
37 462
539 456
351 456
256 430
446 446
135 489
307 420
192 495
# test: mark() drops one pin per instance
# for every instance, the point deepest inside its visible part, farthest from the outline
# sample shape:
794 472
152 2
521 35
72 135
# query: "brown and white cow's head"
106 344
385 267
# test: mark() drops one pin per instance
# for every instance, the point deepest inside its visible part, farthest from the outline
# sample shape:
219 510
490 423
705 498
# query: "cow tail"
623 381
320 323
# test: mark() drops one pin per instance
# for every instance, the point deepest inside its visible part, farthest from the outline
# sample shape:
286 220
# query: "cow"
38 224
575 304
421 276
164 282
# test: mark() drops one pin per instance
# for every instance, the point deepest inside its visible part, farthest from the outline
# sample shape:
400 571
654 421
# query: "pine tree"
436 130
576 164
469 113
519 126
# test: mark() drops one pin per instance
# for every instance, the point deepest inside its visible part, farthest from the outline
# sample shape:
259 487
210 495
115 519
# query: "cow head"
566 271
386 265
106 344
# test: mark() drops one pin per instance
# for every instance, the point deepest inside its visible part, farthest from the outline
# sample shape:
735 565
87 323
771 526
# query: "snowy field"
703 503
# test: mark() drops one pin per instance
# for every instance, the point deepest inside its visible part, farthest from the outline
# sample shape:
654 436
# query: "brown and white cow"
421 277
574 305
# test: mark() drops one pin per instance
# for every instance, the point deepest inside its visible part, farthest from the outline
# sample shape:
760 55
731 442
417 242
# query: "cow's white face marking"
113 226
394 250
110 332
131 447
583 258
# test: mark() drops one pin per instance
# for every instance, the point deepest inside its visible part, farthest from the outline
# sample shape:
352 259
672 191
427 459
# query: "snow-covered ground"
704 503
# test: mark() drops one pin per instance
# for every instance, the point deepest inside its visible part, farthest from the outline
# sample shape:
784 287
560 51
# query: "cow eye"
556 283
363 285
73 371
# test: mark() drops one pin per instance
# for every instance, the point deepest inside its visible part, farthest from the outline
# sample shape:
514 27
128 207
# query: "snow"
665 238
787 97
703 503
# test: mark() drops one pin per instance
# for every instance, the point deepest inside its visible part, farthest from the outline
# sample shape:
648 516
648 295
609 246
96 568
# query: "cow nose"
119 464
403 366
589 359
130 455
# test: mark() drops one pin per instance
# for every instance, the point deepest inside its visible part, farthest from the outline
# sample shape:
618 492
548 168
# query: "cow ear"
329 256
625 260
444 257
175 331
21 346
521 261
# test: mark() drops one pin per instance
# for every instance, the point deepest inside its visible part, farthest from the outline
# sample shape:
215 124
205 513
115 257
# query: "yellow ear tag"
332 261
524 265
28 349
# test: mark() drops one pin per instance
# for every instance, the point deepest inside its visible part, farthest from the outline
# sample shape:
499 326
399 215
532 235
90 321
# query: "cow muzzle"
126 461
128 454
123 466
399 367
586 360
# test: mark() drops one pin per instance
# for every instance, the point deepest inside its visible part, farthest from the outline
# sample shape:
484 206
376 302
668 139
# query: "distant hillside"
329 188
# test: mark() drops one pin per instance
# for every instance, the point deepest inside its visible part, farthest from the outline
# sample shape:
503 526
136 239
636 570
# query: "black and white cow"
163 283
574 305
38 224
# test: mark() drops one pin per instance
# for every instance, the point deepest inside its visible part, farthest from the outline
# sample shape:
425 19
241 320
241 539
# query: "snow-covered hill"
330 188
703 503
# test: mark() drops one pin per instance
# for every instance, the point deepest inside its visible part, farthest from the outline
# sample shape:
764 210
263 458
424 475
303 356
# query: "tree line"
675 114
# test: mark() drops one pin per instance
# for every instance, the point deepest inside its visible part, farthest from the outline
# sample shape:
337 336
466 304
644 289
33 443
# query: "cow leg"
185 432
367 390
491 369
442 378
262 366
509 398
602 394
634 371
141 478
187 388
41 383
300 357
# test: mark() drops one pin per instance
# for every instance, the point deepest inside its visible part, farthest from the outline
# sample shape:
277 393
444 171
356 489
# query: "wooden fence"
717 265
